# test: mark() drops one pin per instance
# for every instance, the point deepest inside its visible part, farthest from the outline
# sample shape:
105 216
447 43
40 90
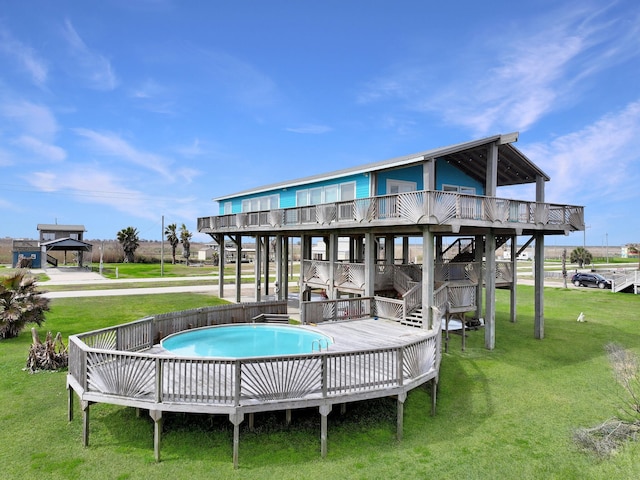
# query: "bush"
20 303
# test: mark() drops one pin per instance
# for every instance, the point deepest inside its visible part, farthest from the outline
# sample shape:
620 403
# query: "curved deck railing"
120 365
114 365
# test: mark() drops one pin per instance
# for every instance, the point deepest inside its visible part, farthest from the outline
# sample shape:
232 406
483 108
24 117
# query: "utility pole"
162 249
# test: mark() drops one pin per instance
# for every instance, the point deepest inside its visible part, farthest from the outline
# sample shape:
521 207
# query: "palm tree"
128 238
185 238
581 256
20 303
172 238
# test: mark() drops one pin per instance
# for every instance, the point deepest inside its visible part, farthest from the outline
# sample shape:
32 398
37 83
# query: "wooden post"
221 258
258 267
324 411
238 268
70 403
156 415
236 419
370 264
85 423
490 292
434 391
428 277
479 254
539 286
287 416
400 403
514 279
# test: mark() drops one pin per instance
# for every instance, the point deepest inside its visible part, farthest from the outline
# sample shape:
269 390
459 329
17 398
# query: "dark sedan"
590 280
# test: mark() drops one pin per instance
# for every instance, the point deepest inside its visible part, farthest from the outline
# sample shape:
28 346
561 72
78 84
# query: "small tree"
128 238
172 237
581 256
185 238
20 303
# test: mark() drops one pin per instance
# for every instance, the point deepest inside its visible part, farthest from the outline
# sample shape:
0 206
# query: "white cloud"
310 129
95 68
512 79
26 57
32 119
106 189
597 162
243 81
42 149
111 144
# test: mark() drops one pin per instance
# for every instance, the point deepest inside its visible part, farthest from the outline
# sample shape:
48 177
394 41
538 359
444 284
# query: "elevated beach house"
442 203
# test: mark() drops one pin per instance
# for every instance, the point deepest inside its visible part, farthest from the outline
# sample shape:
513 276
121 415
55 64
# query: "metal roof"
67 244
54 227
514 168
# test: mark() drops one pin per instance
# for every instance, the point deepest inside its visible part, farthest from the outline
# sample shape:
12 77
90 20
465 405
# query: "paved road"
73 276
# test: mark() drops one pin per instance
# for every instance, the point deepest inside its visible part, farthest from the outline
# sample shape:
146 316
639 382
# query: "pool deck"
355 335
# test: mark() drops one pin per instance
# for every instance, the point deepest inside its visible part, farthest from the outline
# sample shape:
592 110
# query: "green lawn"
507 413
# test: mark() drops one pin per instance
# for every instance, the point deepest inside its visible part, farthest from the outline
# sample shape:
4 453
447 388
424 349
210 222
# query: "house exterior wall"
287 196
446 174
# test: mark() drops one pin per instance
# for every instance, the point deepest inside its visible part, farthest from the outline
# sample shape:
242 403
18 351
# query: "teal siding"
450 175
287 195
407 174
445 174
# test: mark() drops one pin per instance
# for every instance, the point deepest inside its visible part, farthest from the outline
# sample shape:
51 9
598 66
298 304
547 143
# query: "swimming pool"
246 340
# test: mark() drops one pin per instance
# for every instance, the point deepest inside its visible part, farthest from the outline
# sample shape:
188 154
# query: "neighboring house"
52 238
629 251
444 199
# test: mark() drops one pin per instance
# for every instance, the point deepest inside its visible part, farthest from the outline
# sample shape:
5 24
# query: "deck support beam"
85 422
490 291
428 277
402 397
219 238
238 242
236 419
70 403
369 264
479 255
156 415
513 298
538 265
325 410
281 265
434 393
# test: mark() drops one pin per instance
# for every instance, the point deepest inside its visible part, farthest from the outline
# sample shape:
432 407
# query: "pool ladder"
319 342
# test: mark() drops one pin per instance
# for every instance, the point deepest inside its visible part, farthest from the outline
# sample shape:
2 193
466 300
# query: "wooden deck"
369 358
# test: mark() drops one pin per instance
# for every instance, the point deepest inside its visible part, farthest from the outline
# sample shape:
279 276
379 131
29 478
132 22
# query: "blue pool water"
236 341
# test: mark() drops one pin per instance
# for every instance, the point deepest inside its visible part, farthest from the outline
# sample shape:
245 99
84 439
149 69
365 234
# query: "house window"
459 189
48 236
228 208
329 194
258 204
400 186
74 236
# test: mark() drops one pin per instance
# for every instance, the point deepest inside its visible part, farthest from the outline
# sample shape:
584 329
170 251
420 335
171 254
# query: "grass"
506 413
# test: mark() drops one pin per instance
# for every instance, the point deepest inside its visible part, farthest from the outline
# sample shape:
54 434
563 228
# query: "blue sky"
116 113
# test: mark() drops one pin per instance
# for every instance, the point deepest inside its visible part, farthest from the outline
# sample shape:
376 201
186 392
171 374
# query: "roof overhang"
67 244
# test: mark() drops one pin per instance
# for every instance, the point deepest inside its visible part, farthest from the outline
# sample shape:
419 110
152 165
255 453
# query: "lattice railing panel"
419 358
117 374
281 379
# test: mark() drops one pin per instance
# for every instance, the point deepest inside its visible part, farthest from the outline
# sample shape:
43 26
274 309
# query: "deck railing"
424 207
110 365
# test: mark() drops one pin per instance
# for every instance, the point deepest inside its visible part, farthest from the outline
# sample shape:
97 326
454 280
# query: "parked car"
590 280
